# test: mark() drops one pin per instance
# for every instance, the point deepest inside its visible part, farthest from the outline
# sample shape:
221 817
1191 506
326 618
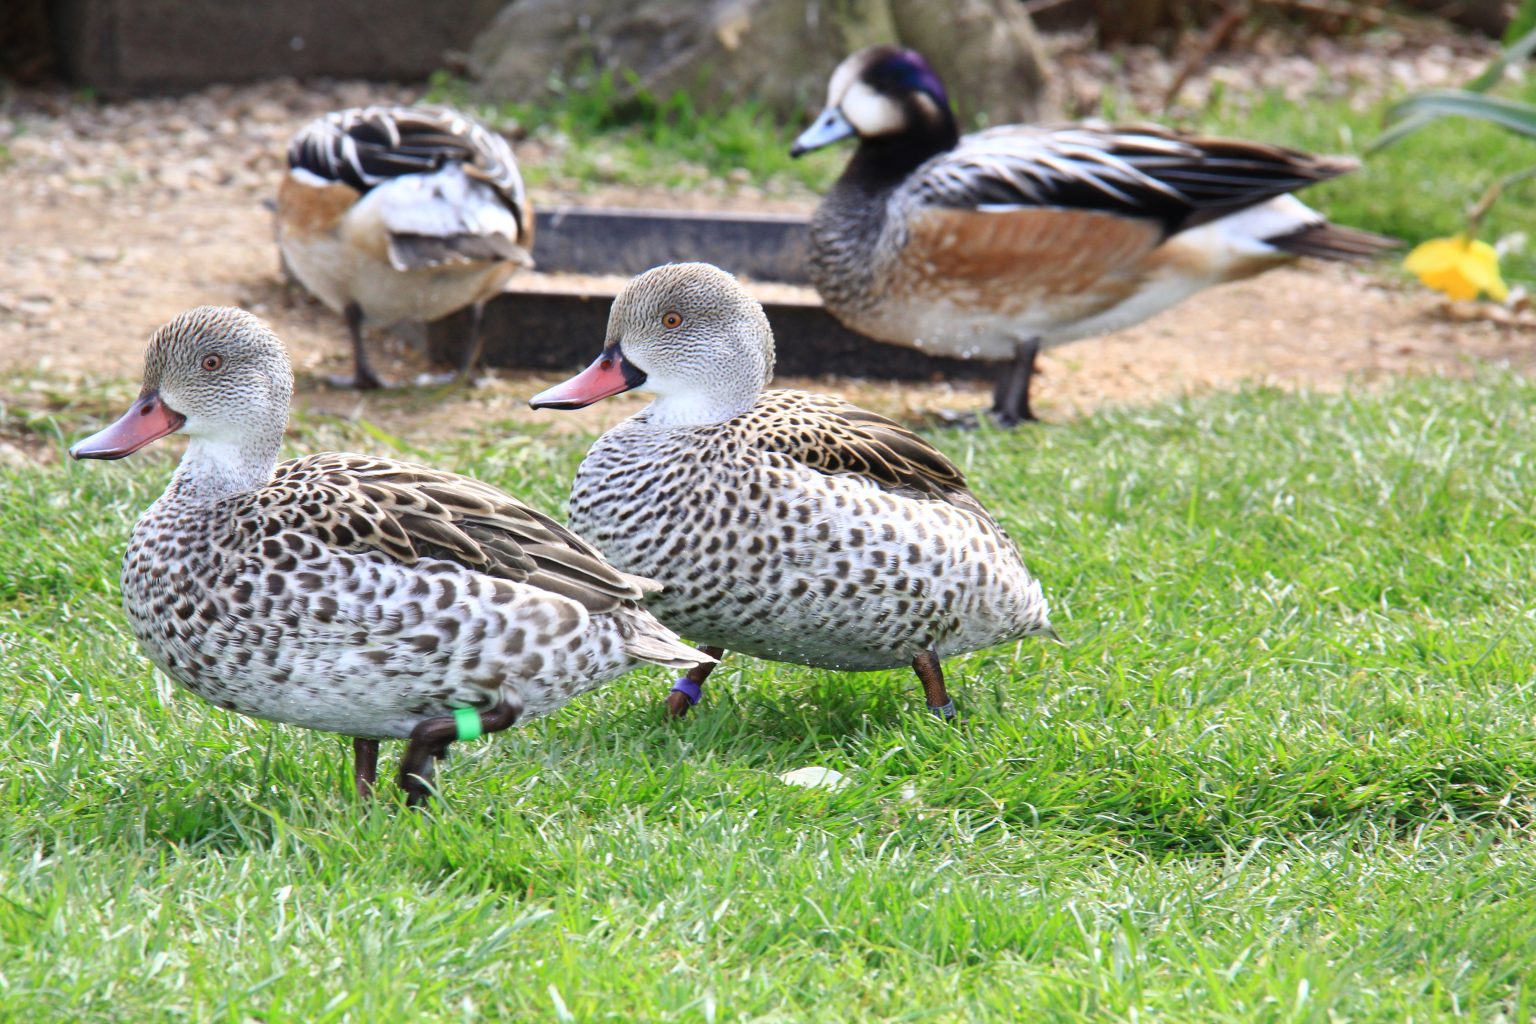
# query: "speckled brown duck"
402 213
995 245
787 525
355 595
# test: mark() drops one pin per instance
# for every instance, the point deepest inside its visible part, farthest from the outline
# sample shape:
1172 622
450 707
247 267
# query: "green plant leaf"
1416 111
1523 22
1403 120
1404 127
1519 50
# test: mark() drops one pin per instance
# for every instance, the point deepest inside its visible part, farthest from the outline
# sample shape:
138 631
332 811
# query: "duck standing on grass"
402 213
995 245
357 595
792 526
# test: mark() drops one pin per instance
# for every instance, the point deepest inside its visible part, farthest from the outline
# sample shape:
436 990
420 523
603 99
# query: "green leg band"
468 721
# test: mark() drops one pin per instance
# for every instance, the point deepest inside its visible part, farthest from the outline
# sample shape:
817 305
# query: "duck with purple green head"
999 244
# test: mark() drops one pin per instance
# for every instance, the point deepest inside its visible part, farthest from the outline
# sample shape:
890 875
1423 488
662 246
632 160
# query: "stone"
779 53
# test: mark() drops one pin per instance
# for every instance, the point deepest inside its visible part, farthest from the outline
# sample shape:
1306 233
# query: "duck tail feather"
1335 242
651 641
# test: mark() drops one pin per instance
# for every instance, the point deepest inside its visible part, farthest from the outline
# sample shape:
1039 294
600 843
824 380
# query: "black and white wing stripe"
1135 171
367 146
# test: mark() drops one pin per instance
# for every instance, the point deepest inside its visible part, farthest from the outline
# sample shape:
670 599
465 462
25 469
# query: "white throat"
214 468
691 409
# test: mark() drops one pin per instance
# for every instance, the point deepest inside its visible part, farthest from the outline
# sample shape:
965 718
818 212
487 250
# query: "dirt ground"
116 217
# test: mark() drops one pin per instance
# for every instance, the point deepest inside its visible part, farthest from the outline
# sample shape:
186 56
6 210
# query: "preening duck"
791 526
402 213
997 244
356 595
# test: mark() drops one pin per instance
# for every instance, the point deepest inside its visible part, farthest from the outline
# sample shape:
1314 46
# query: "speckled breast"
765 556
354 643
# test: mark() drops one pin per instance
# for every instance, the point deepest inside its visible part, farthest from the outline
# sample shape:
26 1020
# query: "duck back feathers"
365 147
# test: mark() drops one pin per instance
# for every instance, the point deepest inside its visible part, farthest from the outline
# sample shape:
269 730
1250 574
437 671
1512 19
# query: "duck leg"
476 344
465 374
1010 398
365 765
689 688
931 673
363 378
429 744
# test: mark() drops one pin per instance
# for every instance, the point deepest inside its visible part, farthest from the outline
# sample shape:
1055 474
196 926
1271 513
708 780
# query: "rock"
271 112
986 51
777 52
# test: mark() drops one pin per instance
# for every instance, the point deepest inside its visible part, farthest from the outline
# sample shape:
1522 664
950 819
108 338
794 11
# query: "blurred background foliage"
1168 22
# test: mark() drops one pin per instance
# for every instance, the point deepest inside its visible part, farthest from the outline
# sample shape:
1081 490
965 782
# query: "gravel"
1363 69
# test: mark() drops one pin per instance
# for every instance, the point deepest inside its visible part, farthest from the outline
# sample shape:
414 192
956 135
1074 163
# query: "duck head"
687 332
883 93
218 375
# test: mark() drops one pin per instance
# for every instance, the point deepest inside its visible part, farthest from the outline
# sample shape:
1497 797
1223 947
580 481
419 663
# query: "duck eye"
671 320
212 362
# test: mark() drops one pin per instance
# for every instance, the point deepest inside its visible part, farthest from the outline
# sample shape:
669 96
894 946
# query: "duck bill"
827 129
610 375
147 419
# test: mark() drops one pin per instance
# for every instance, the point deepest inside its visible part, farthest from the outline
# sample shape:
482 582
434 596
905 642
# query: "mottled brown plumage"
837 437
353 594
791 526
410 512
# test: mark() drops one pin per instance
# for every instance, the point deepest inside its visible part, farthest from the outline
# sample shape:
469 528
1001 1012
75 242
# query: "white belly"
957 329
340 271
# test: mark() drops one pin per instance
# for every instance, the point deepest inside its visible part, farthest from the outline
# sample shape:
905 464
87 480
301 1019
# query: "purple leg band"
688 688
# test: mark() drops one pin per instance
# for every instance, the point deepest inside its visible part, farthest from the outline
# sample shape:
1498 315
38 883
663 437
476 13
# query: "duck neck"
881 163
213 469
693 408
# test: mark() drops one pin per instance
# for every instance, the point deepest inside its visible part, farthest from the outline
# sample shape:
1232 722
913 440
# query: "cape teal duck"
791 526
402 213
994 245
356 595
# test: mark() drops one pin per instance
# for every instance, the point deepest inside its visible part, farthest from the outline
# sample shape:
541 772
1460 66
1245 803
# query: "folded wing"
1177 180
408 512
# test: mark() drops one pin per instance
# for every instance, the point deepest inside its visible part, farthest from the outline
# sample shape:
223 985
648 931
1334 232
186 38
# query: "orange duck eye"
671 320
212 362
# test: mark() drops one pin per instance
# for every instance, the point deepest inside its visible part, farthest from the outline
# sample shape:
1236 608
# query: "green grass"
1282 769
593 135
1417 189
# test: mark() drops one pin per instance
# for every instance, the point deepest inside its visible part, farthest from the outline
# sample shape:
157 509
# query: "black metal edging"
561 330
564 331
595 240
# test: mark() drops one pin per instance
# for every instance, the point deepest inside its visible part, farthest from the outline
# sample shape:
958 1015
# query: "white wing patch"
1249 231
446 203
304 176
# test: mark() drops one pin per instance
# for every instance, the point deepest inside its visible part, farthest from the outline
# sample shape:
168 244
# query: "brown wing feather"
410 512
306 210
1010 260
834 437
